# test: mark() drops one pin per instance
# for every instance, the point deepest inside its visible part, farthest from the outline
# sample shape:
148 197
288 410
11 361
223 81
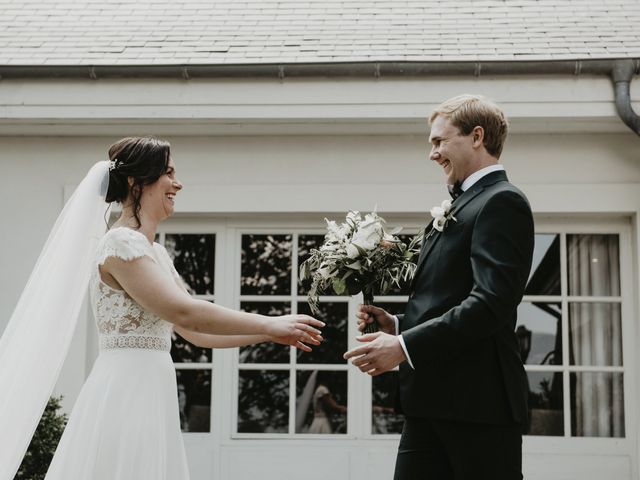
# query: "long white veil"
304 400
36 340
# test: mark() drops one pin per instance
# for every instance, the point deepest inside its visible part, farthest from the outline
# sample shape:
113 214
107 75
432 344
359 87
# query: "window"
194 258
571 330
570 334
282 390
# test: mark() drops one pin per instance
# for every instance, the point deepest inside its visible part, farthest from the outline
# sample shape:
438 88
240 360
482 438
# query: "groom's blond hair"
469 111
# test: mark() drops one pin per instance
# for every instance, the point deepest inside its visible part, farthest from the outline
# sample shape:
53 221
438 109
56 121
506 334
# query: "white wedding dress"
125 424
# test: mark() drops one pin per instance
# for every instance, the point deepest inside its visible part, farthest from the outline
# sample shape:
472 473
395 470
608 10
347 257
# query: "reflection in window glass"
593 265
183 351
597 404
545 403
194 258
266 265
539 333
306 243
268 352
335 316
194 399
544 278
595 334
384 419
321 402
263 401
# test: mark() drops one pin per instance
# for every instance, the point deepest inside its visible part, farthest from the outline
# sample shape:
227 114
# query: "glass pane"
405 287
544 278
194 258
597 404
194 399
265 352
263 401
594 265
306 243
545 403
539 332
321 402
266 265
334 334
595 334
183 351
384 419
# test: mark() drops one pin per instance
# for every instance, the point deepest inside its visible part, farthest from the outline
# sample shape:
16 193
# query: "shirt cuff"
402 344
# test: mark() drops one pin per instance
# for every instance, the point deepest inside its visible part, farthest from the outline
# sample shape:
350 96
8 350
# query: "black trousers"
445 450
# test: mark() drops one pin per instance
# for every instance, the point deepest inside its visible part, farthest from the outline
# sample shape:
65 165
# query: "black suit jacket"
459 323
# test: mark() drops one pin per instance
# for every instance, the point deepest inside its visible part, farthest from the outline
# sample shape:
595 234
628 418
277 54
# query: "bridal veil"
36 340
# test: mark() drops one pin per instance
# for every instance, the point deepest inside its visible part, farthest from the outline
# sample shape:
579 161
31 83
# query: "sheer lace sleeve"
123 243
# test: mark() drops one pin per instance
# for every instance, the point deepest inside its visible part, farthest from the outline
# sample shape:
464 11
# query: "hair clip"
112 165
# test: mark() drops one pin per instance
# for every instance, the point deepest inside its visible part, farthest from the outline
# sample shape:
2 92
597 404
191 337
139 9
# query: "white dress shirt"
467 184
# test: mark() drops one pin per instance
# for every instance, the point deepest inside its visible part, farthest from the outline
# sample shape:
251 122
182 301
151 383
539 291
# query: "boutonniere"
442 215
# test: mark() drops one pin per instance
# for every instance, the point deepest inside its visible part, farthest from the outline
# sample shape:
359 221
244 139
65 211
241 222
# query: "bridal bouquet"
359 256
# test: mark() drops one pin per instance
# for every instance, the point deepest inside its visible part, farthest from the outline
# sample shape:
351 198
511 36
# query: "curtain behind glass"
595 335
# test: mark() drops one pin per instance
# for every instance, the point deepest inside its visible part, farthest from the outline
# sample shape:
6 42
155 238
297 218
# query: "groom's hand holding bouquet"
360 256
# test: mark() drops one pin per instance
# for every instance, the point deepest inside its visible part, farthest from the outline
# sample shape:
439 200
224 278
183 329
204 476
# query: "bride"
125 423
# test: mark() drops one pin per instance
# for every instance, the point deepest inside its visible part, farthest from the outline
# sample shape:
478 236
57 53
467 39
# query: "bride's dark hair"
144 159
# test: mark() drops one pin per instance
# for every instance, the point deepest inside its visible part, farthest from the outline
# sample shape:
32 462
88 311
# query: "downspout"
621 74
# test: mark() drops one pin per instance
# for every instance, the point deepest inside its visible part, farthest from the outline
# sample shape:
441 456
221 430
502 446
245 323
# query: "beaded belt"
134 341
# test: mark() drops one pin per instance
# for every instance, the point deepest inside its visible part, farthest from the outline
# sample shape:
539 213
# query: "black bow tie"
454 190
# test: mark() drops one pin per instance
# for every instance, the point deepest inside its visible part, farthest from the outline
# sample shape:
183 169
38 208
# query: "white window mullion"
629 335
566 378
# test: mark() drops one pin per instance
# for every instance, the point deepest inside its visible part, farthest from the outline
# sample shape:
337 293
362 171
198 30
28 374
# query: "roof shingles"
140 32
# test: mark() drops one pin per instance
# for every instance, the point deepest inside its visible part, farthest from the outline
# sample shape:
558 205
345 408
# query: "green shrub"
44 442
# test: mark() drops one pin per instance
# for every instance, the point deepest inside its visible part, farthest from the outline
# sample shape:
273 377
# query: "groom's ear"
477 135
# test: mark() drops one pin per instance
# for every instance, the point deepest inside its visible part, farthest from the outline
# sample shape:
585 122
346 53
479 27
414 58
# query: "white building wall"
316 148
222 169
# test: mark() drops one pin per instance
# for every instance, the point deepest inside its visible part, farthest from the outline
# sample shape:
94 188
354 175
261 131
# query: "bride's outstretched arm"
205 340
149 285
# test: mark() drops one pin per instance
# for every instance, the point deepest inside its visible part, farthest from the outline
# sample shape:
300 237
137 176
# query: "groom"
463 388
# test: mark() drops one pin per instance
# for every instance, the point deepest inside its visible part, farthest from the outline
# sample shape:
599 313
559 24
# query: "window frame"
181 227
225 369
566 443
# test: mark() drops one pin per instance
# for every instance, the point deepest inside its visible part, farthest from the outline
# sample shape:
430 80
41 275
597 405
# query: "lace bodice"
121 321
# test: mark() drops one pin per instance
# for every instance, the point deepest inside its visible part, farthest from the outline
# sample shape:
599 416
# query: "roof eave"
324 69
620 70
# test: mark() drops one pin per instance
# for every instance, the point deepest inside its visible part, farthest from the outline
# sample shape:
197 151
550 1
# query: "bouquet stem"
368 300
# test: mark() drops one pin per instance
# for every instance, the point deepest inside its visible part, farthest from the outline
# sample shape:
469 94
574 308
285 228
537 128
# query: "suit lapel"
457 206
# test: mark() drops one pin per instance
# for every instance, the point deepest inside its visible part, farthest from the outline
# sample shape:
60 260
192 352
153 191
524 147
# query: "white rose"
446 205
437 212
369 234
352 251
439 223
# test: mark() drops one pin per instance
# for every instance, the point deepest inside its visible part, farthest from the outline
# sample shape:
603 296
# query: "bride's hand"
295 330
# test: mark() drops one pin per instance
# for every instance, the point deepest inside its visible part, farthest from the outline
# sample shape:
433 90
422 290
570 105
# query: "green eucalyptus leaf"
339 286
